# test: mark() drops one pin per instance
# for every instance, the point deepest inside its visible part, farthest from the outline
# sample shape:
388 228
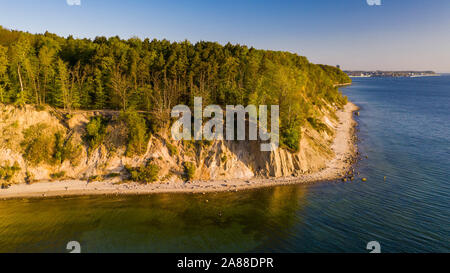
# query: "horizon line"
201 40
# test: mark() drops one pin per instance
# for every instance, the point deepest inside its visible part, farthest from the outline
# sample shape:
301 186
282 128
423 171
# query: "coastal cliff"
48 144
100 110
331 165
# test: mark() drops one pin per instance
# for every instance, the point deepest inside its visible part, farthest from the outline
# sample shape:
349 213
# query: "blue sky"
399 34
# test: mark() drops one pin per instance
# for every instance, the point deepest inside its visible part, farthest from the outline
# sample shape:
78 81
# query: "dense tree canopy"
154 76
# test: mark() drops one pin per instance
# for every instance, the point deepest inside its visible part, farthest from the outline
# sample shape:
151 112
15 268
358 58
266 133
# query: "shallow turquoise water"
404 131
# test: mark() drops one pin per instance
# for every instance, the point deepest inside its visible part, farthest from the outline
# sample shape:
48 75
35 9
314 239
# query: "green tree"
154 76
20 52
3 72
61 96
95 132
121 85
46 60
100 97
137 133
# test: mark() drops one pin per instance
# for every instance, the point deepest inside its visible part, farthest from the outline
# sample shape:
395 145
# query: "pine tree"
3 75
100 98
20 52
61 96
155 76
46 61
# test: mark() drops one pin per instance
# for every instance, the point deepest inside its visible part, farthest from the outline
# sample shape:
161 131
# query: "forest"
153 76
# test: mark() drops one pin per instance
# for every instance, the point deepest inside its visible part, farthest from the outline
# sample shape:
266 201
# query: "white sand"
343 146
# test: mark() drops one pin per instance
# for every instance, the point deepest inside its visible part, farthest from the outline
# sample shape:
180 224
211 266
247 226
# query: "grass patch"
224 159
15 124
40 145
58 175
189 170
67 150
5 185
172 149
137 133
95 178
95 132
113 175
144 174
290 139
29 178
319 126
8 172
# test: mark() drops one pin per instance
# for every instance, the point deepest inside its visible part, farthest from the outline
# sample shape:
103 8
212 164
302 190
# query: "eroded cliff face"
214 161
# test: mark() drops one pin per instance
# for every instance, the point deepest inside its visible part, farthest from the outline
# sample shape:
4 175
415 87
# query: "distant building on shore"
379 73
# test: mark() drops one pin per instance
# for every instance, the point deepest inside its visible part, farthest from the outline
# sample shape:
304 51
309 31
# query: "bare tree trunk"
44 95
20 78
120 86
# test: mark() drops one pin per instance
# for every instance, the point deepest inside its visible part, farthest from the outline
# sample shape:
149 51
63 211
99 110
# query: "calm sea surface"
405 132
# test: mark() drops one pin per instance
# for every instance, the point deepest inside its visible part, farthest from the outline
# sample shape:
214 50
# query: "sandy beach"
344 148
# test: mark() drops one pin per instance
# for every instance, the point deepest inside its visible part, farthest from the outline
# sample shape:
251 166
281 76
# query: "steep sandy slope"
216 160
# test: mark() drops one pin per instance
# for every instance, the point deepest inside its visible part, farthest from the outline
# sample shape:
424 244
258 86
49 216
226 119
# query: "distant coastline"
390 74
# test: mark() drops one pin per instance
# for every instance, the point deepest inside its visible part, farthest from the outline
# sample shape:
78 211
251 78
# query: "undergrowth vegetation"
42 145
7 172
137 138
95 132
153 76
189 170
319 126
144 174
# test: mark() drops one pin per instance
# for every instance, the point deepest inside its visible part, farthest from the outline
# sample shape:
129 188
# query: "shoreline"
342 84
344 147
